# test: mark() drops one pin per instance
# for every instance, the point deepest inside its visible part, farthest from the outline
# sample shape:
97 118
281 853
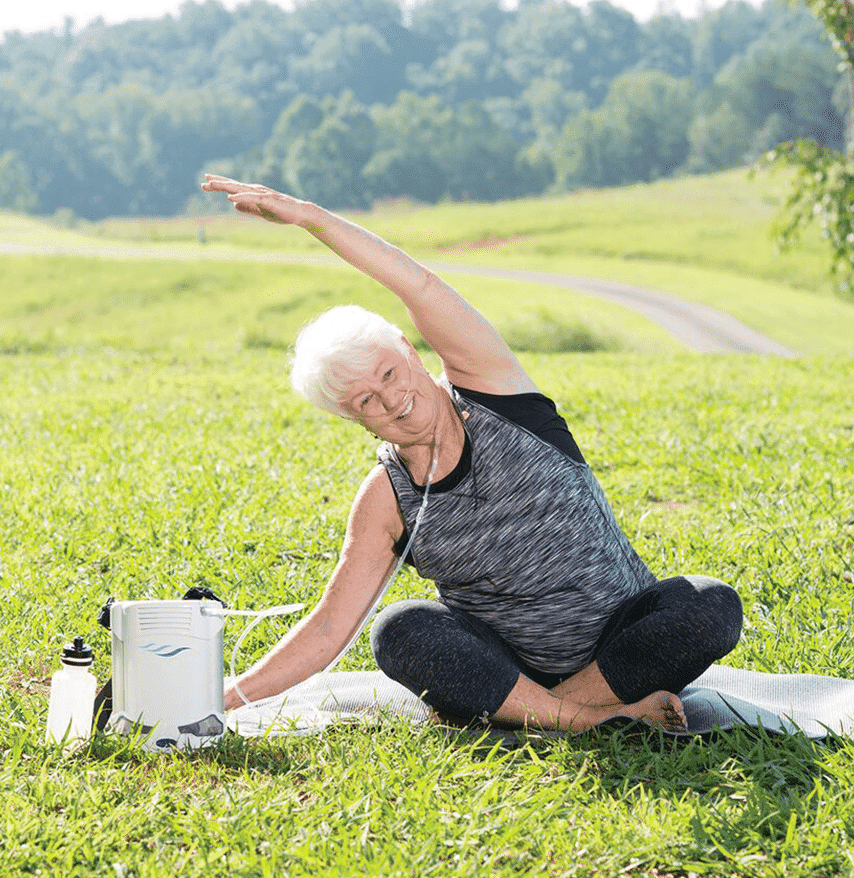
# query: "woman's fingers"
273 206
246 206
215 183
255 199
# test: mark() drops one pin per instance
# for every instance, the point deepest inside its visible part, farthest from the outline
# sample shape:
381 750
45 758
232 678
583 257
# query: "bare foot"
661 710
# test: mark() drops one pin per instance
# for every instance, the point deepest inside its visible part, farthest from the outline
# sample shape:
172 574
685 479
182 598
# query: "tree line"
349 101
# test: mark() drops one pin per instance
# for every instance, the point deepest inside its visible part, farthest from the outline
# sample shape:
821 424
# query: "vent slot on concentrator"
174 620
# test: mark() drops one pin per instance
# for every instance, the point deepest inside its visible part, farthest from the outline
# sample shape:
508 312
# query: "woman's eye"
389 373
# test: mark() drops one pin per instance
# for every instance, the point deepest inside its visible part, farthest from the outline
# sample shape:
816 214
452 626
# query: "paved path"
698 327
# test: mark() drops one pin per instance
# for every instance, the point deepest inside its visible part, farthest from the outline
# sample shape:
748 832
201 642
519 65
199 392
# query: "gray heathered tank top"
525 542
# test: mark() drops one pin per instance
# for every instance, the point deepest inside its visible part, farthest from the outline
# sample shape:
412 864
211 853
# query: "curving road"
698 327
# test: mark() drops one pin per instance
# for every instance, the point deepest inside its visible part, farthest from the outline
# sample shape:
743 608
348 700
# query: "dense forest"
348 101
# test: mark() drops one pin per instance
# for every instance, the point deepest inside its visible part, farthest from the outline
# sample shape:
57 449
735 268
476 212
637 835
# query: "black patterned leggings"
663 638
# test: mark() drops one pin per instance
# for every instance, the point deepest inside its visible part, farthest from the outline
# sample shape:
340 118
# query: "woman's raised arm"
473 354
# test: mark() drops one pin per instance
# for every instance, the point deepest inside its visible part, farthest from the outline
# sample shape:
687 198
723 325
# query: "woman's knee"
731 612
396 631
720 603
717 611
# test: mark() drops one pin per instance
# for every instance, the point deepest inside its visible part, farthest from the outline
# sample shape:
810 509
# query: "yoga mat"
722 697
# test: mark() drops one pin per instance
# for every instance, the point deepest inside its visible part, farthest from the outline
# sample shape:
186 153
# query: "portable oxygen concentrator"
168 672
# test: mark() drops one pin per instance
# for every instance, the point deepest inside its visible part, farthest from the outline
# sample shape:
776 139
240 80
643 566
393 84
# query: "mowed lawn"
149 441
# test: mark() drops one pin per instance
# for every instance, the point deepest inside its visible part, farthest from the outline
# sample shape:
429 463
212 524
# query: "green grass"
72 303
149 441
141 474
718 222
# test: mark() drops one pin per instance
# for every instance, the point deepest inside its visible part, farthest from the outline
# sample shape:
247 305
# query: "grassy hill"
149 441
701 238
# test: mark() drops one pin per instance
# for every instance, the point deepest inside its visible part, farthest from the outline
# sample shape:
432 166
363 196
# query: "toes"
674 718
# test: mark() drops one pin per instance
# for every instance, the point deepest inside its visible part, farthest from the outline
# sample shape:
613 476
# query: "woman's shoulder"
375 504
533 411
376 487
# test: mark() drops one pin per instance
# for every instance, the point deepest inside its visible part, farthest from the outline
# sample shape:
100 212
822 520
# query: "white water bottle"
72 696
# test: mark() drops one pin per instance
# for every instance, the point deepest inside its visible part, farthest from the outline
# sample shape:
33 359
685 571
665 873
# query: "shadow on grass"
628 751
747 791
625 751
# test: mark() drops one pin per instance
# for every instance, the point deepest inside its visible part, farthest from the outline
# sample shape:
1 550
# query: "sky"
29 16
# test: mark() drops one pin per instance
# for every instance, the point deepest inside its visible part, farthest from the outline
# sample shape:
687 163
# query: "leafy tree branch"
822 188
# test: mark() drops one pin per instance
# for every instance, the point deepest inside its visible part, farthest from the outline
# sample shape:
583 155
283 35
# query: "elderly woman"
545 614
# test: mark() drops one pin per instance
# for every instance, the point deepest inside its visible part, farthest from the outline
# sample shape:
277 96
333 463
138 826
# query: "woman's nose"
392 397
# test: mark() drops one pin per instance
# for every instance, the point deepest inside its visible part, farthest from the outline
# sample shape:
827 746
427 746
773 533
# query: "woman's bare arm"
473 354
365 564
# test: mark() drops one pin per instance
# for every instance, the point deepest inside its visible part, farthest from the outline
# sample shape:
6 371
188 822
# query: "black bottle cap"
77 653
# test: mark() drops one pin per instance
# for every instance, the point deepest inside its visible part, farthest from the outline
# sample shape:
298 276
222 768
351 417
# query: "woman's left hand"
261 201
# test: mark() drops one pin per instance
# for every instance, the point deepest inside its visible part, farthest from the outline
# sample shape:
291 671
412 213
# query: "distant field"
55 303
700 238
718 222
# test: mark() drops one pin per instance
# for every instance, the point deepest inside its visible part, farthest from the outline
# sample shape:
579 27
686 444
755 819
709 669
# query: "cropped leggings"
662 638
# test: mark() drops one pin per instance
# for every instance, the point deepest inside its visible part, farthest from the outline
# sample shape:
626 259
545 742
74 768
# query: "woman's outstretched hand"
257 200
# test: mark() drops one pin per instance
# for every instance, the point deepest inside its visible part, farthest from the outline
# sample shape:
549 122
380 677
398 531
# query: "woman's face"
396 399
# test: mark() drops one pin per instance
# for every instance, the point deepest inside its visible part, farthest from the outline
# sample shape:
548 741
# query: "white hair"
338 348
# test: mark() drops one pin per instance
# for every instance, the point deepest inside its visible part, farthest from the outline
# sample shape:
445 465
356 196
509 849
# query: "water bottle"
72 696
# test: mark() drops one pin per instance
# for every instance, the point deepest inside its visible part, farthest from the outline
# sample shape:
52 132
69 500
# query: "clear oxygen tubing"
291 608
259 615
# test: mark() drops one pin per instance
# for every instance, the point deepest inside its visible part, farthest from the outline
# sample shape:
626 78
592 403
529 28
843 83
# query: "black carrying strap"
203 593
103 706
104 699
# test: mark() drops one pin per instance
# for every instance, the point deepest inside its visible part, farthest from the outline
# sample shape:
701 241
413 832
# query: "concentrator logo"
163 650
